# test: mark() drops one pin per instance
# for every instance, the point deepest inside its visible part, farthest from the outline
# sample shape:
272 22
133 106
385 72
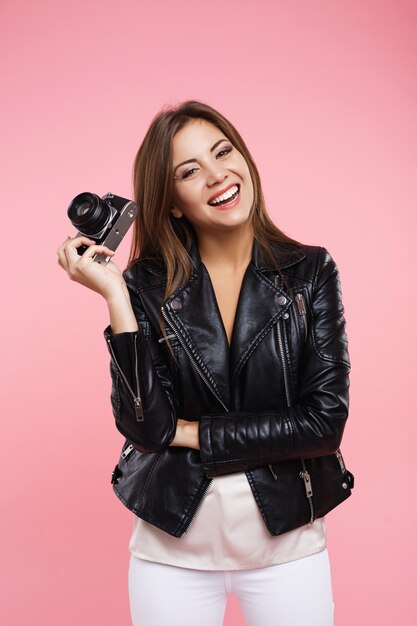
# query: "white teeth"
226 195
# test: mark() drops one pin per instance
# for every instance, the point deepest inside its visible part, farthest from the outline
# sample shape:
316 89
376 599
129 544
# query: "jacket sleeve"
142 396
313 425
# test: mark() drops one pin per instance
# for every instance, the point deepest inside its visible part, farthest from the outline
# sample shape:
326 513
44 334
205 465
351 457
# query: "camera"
105 219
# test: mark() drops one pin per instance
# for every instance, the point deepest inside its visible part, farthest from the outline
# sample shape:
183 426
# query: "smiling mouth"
228 196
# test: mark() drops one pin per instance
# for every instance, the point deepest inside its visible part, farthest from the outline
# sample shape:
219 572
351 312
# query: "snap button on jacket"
274 404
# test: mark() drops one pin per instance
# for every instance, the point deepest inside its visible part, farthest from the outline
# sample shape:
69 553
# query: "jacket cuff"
232 442
216 457
212 430
122 347
122 343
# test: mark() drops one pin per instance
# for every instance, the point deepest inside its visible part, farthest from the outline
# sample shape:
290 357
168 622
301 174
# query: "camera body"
105 219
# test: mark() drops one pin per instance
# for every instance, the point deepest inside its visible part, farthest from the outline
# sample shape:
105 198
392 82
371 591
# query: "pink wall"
325 94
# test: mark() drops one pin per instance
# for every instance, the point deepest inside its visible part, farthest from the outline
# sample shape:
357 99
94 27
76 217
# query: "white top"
227 533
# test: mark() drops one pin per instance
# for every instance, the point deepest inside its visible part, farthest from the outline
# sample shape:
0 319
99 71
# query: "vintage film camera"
106 219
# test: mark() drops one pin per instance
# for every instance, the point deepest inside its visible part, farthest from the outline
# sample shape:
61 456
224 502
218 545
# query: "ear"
176 212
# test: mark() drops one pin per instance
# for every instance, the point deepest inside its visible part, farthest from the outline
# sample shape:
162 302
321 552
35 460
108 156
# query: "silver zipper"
284 363
340 459
309 489
136 398
190 356
127 451
304 474
272 471
306 478
302 311
167 337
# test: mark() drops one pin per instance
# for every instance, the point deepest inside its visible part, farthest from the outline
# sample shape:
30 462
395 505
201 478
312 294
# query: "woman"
230 377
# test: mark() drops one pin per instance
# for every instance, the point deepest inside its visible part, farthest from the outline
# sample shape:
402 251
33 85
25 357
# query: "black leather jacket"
273 405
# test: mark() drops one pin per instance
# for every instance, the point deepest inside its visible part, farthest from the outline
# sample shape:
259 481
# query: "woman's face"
212 183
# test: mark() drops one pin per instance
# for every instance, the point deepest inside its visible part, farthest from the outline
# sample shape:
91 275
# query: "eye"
224 151
189 172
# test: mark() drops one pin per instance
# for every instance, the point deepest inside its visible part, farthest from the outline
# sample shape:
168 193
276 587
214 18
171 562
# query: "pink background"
324 92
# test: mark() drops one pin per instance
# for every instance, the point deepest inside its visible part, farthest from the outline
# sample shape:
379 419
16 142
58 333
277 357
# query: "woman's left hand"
186 434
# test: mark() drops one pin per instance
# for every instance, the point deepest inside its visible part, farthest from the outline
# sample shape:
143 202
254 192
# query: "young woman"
230 377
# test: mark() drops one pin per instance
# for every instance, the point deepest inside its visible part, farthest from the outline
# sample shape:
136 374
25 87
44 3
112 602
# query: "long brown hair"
162 239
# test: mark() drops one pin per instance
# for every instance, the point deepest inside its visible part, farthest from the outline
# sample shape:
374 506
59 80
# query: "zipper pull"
299 298
340 459
127 451
307 483
167 337
272 471
300 304
138 410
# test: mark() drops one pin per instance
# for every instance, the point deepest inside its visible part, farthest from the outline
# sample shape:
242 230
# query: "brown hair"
162 239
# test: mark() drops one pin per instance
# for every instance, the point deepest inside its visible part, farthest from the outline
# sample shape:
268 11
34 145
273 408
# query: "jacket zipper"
340 459
190 356
299 298
136 398
304 473
307 483
127 451
171 336
198 506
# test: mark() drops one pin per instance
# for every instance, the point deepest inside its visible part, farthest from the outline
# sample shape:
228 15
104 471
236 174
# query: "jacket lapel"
259 307
194 312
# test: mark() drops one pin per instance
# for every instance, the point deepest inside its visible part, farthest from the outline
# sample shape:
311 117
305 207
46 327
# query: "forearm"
122 317
239 441
186 434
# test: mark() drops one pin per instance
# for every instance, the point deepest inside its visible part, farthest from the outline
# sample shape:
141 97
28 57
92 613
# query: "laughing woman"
230 385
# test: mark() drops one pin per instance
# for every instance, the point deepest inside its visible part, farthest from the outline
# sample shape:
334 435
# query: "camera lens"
89 213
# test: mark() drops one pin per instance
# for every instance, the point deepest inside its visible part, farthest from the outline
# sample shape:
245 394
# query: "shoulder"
304 260
141 274
296 257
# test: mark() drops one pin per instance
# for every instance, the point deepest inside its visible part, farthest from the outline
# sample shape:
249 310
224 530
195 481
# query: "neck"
230 251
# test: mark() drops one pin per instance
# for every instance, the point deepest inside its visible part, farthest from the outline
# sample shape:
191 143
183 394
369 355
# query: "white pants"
297 593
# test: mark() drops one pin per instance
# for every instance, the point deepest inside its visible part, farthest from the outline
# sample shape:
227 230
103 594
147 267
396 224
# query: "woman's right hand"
104 278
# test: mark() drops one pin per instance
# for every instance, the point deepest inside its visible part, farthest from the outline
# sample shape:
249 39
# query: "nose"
215 173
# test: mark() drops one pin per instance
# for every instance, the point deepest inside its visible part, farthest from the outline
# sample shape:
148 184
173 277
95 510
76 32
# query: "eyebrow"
192 160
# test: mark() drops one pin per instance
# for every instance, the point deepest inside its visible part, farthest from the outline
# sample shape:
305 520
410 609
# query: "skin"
224 236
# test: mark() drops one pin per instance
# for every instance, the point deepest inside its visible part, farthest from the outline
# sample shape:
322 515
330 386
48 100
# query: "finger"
60 250
76 242
70 247
73 258
97 249
62 259
62 245
66 240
